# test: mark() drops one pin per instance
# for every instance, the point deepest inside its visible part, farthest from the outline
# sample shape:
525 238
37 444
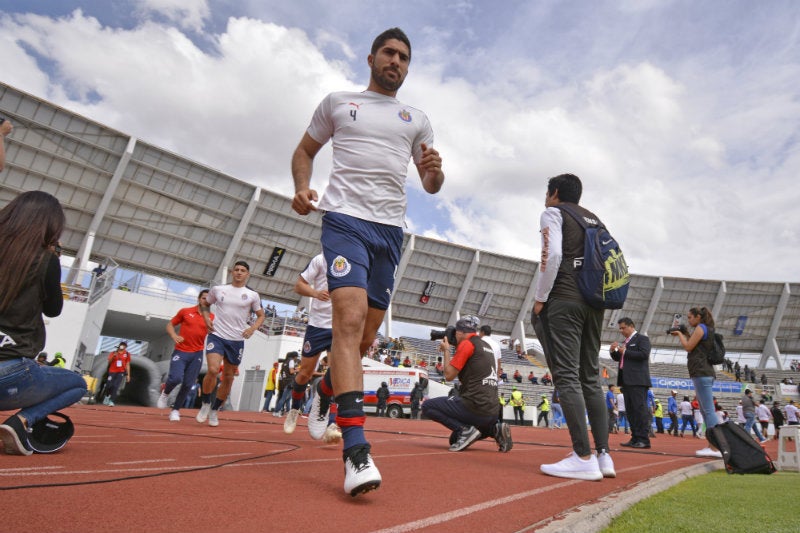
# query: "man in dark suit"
633 356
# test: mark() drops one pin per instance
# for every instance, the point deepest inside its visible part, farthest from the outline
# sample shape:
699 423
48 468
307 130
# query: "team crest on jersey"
307 347
404 115
244 297
340 267
209 346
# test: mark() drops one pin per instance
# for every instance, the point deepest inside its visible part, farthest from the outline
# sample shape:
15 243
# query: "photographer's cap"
468 323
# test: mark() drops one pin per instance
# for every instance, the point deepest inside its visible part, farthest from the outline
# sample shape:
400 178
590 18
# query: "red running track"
129 469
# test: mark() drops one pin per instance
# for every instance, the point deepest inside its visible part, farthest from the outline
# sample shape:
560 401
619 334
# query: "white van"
401 381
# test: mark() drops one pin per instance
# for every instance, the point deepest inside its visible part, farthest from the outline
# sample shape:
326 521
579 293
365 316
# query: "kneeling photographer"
472 414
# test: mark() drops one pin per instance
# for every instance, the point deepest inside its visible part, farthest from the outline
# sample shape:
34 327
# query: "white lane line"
459 513
142 461
225 455
34 468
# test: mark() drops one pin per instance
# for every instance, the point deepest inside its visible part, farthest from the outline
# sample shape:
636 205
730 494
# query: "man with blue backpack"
582 272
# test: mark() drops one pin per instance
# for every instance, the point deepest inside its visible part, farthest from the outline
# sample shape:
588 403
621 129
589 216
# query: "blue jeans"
749 423
284 401
183 369
268 399
705 397
452 414
37 390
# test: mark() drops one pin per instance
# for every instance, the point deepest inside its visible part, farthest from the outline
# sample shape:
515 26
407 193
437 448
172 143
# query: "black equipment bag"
740 452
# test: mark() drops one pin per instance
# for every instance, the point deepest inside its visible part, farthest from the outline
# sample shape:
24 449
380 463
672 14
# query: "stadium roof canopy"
160 213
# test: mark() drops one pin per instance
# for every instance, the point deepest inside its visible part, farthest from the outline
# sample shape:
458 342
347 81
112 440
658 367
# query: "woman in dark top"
701 371
30 284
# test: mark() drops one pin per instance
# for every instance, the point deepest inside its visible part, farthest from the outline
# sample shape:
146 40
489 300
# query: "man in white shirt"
234 304
313 282
791 413
485 334
374 136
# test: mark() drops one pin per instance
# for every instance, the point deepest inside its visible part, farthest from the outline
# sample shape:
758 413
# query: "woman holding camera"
30 284
701 371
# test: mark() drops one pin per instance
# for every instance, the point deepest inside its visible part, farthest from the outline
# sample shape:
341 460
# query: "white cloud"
683 160
188 14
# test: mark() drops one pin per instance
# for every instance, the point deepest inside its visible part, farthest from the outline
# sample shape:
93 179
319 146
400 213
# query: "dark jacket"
383 394
636 364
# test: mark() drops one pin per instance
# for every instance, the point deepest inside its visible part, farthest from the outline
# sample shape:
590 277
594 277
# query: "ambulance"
401 381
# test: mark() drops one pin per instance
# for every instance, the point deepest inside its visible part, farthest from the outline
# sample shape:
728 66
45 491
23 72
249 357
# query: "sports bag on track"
740 452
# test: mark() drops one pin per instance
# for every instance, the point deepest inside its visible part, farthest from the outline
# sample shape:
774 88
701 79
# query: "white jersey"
232 309
495 347
374 137
621 403
551 224
791 413
762 412
319 313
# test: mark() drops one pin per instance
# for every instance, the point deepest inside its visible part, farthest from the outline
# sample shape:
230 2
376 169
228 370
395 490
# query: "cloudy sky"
681 117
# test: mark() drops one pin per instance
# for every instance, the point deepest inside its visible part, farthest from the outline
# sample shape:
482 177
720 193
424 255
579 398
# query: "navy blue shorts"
316 340
232 351
362 254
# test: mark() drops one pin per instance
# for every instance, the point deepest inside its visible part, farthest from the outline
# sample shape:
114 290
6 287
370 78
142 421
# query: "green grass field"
719 502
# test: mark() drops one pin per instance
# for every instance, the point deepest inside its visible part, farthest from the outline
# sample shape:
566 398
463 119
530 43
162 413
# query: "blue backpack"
602 275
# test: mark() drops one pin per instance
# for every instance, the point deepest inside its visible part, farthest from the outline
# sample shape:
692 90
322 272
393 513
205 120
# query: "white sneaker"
213 421
606 464
333 434
162 401
574 467
202 415
360 473
291 421
318 417
175 416
708 452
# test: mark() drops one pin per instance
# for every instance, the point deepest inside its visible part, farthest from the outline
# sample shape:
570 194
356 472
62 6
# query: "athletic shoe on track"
213 421
15 437
467 436
574 467
360 473
291 421
333 434
162 401
318 416
503 437
202 415
174 416
606 464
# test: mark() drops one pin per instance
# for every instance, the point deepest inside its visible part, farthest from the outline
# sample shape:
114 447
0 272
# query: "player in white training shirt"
234 304
374 136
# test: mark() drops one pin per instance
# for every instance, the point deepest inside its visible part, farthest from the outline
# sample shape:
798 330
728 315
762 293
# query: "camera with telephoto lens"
449 332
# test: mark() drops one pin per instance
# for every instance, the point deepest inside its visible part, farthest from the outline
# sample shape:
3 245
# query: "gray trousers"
570 336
